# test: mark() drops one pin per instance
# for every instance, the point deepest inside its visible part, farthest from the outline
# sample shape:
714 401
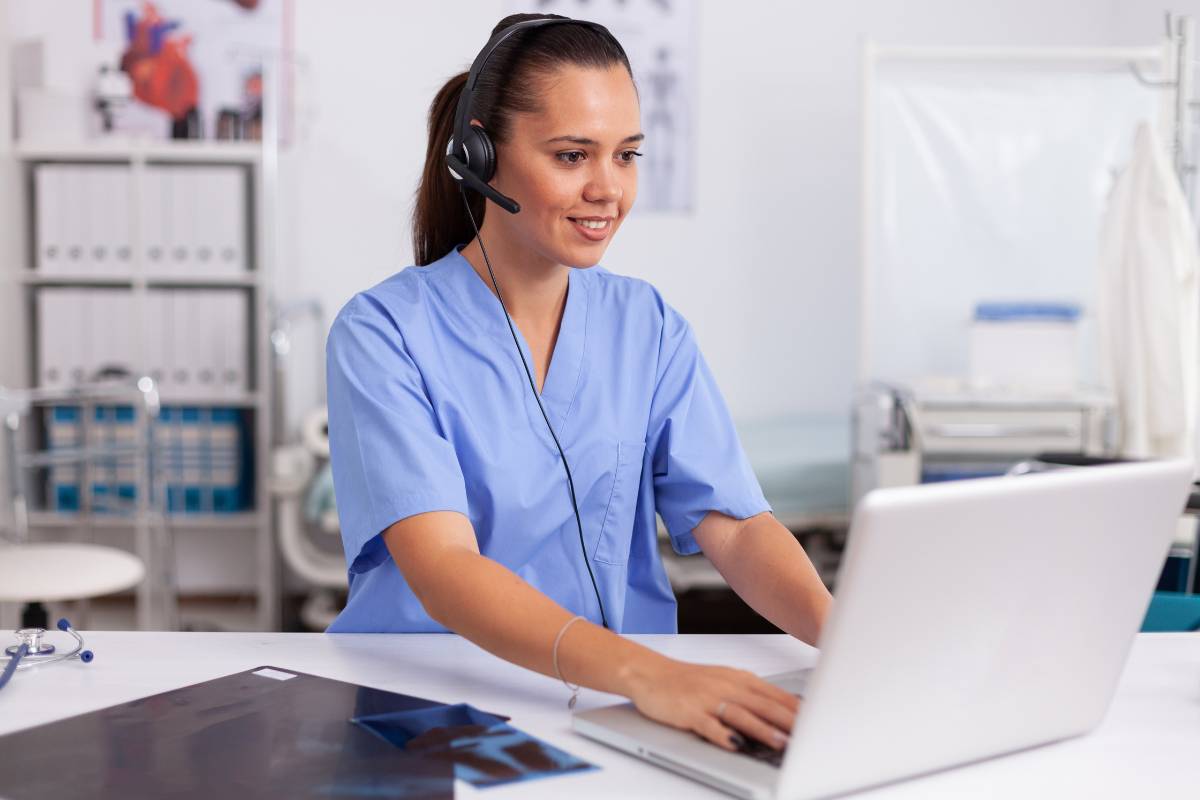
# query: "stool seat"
56 571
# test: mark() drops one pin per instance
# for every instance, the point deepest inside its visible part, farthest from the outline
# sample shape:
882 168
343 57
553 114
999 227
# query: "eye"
627 156
579 154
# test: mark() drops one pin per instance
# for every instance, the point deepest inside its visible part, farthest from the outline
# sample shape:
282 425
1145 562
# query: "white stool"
57 571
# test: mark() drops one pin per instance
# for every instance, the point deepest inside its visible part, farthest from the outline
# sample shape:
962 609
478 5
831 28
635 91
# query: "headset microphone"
460 170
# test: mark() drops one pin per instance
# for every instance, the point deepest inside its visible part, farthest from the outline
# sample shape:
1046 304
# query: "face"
572 167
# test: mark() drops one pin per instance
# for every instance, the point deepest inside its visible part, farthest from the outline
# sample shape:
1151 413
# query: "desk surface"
1149 744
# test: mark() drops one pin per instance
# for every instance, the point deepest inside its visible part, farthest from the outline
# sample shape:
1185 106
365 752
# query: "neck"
534 288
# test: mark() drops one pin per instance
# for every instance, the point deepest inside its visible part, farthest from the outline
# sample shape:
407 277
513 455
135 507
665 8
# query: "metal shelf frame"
259 161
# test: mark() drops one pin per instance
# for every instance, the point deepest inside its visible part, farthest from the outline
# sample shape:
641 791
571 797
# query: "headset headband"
462 111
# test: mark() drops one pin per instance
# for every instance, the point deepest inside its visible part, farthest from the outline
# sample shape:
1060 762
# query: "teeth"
593 224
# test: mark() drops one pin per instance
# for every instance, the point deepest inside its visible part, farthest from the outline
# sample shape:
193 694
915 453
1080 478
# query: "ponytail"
440 220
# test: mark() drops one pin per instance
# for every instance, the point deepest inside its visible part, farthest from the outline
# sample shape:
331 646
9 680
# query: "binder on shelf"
225 441
73 206
62 480
64 325
155 218
235 360
48 219
75 330
102 470
182 183
167 451
226 350
209 335
53 307
158 337
112 245
183 337
112 337
194 458
223 221
93 221
125 436
205 211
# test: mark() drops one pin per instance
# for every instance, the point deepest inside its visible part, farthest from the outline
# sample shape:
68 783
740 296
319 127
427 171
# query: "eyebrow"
637 137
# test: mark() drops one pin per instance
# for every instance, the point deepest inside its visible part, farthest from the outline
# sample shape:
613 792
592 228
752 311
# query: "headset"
473 169
470 154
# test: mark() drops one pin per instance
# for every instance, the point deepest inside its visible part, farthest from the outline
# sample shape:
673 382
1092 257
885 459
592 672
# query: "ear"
474 121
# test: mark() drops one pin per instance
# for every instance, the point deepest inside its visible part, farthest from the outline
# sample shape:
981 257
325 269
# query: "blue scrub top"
430 410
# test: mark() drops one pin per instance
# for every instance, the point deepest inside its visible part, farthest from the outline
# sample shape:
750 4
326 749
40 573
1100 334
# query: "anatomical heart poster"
193 69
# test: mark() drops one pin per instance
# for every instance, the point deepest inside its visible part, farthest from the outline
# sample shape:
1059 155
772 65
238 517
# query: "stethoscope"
31 651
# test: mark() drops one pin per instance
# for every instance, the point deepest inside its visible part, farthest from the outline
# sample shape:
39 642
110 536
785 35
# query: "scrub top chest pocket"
612 545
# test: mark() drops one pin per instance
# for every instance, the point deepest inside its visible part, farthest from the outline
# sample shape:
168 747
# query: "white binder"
182 181
53 309
158 336
112 339
64 325
103 205
119 220
90 185
51 255
206 209
224 220
233 356
73 202
184 337
208 335
155 219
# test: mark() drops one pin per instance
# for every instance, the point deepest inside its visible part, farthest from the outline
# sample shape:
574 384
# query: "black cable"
532 386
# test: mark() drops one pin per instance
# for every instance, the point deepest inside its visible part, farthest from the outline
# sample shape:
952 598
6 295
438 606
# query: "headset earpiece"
477 154
480 153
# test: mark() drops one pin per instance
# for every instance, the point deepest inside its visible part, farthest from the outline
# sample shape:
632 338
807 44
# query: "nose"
603 186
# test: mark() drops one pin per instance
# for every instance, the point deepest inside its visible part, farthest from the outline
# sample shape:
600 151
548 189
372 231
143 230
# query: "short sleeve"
390 459
697 460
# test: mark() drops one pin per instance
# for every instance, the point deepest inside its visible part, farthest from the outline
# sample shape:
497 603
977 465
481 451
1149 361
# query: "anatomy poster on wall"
659 36
195 69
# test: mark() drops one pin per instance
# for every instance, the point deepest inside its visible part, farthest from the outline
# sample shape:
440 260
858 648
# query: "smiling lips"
594 229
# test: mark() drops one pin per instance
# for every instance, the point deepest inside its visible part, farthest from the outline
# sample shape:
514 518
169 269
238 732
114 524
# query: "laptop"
972 619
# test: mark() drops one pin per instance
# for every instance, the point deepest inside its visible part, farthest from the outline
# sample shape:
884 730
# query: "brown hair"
505 87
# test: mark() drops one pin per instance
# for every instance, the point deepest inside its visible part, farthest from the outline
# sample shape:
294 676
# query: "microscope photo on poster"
194 68
659 36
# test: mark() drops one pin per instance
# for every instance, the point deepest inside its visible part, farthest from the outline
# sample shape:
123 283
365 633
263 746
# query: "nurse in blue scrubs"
455 509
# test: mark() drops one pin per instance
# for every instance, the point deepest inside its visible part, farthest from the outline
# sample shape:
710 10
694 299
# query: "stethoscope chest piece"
33 638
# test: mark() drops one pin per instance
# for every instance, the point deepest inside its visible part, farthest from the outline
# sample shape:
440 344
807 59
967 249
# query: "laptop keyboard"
761 752
795 682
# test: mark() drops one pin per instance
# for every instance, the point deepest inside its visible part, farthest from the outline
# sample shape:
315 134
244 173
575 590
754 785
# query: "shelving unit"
139 281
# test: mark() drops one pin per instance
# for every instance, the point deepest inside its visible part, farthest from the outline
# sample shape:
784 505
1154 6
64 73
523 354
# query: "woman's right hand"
718 703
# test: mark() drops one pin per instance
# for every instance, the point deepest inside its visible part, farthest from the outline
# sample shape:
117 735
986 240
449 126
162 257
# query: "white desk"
1149 745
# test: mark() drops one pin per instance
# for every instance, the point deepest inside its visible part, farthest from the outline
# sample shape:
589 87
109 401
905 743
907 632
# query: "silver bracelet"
574 689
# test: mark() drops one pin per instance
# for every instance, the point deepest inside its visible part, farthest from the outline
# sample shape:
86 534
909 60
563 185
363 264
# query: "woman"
443 461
